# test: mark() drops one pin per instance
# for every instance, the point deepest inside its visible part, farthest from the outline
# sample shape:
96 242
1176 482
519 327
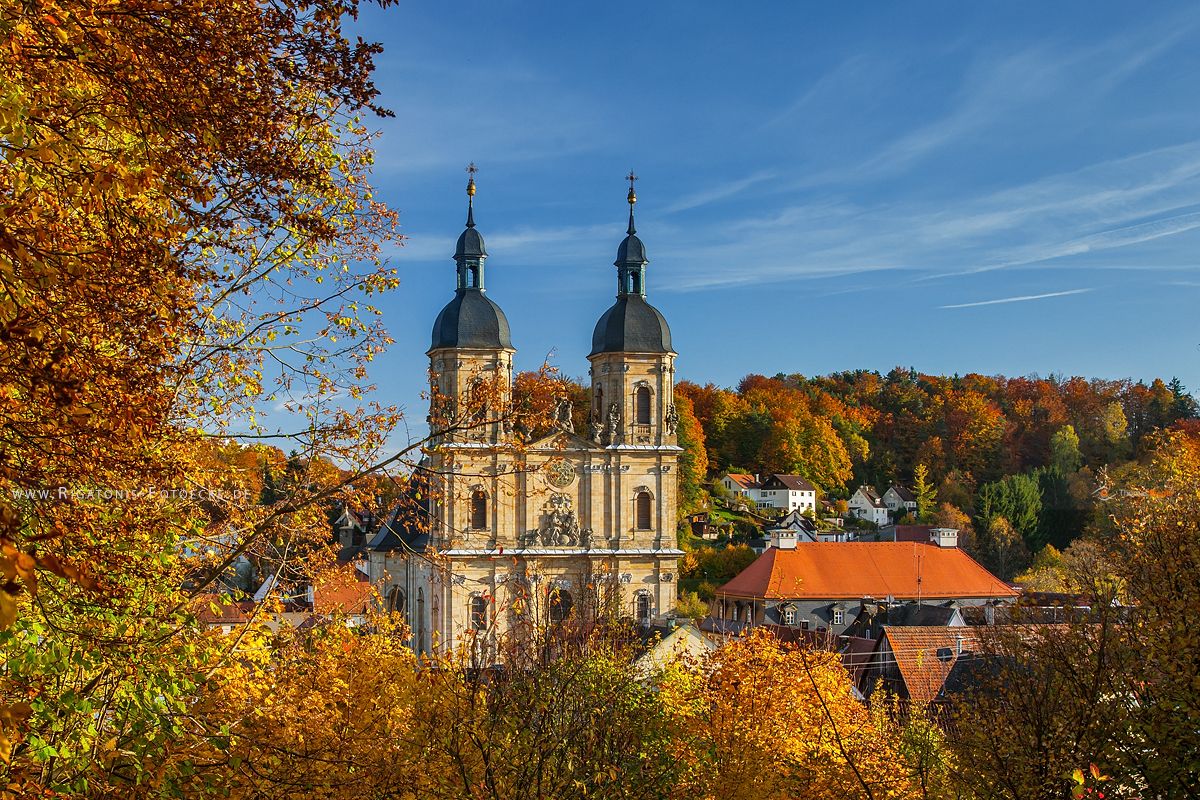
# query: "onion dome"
471 320
631 325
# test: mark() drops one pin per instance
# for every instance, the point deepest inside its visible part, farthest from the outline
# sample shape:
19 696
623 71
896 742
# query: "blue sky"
959 187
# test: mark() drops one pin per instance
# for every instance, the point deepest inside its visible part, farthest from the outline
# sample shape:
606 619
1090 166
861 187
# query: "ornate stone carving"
562 415
560 474
671 420
560 528
614 421
668 577
595 425
626 577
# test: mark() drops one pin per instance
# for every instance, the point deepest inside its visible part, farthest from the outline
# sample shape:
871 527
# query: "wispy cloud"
1069 218
720 191
1019 299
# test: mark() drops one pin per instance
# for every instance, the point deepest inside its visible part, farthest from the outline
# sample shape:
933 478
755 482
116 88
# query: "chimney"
958 643
783 538
944 537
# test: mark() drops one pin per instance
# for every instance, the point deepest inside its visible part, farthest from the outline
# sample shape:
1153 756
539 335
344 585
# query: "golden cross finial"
632 194
471 170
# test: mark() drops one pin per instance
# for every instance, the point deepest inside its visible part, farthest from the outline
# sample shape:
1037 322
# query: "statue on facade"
671 419
595 426
614 421
562 415
561 528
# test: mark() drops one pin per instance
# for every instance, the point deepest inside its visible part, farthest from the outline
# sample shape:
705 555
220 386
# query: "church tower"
471 340
471 372
633 363
633 384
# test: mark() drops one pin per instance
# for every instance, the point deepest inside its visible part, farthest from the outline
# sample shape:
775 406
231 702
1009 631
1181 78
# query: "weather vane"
632 194
471 170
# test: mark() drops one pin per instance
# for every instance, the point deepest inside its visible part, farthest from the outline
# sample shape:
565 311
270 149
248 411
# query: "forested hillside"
1016 462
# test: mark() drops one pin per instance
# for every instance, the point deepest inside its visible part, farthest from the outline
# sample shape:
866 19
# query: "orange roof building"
822 585
913 662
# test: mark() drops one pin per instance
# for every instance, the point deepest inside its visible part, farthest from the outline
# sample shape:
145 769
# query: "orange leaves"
785 724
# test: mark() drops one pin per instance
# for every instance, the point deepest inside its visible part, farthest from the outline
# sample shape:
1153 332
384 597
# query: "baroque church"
512 536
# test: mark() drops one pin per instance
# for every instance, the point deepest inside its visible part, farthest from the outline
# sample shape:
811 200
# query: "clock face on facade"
560 473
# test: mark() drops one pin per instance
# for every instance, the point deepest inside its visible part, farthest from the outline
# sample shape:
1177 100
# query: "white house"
787 493
866 504
900 501
772 492
742 485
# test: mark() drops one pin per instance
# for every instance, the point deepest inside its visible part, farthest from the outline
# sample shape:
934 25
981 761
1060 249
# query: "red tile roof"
745 481
849 570
913 533
216 609
342 590
915 651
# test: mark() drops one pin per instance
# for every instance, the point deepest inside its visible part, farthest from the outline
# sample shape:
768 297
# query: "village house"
899 501
774 492
787 493
741 485
866 504
913 663
827 585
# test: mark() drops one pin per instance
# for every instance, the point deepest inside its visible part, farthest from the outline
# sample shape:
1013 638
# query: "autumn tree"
581 725
188 236
1156 554
764 720
693 461
950 516
1004 551
1040 701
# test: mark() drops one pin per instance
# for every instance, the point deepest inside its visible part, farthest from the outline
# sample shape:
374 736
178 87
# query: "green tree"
925 492
1064 449
1017 498
1005 552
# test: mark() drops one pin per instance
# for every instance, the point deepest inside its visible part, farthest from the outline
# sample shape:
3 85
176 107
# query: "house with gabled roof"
912 663
739 484
825 585
866 504
900 500
787 493
776 492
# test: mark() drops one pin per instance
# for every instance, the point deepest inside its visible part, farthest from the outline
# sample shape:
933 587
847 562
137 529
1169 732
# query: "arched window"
479 613
479 510
560 605
643 608
642 514
643 405
600 399
395 600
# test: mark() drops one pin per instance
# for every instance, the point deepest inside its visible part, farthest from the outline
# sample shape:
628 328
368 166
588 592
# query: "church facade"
512 535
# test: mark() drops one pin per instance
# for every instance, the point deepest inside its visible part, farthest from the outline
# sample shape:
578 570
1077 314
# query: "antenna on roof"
917 557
